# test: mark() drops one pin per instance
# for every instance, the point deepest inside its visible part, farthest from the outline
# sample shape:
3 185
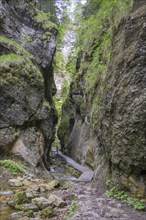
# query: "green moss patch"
14 67
43 19
13 47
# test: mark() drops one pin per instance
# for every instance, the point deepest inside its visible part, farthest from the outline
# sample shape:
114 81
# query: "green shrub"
123 196
47 212
18 199
11 166
44 19
65 88
71 210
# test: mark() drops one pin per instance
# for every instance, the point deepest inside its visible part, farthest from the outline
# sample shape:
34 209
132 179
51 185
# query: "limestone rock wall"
27 116
111 137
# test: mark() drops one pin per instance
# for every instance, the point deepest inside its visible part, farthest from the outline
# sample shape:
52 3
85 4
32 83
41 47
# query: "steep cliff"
27 116
103 119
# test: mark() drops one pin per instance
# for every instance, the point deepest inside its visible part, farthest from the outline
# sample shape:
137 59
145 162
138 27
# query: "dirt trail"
93 206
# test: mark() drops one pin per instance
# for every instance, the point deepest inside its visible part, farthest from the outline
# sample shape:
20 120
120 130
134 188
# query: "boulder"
15 182
32 192
41 202
49 186
56 201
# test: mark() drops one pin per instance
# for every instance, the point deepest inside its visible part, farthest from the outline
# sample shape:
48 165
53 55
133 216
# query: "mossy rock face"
112 73
66 124
64 129
27 115
136 185
43 19
21 83
22 89
18 69
37 32
12 46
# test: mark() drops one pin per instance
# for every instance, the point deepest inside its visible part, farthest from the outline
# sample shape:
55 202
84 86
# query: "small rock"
36 218
27 207
113 213
26 182
14 182
36 180
29 178
32 192
41 202
19 178
56 201
43 187
16 215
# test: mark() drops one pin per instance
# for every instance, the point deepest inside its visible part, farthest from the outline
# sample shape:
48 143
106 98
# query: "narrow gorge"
72 109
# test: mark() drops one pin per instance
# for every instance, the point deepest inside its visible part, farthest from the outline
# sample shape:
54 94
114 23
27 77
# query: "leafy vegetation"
47 212
18 199
11 166
71 210
95 30
13 47
123 196
58 104
22 71
64 88
10 58
44 19
98 27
